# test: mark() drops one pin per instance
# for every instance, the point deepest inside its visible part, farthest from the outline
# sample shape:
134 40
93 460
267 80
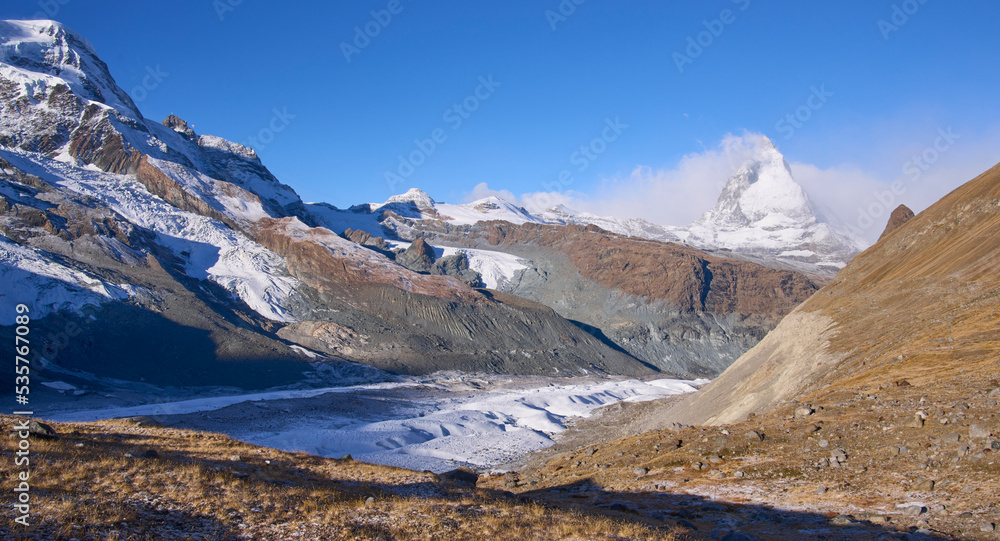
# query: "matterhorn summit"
763 212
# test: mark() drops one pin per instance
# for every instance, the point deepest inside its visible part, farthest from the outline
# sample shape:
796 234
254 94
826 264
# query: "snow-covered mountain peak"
763 211
414 195
761 193
51 48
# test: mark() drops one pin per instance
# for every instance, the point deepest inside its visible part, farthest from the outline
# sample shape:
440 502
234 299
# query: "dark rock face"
418 257
158 183
900 216
671 306
457 265
180 126
366 239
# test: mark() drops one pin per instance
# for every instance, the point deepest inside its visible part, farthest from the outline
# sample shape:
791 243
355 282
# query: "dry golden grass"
749 477
95 484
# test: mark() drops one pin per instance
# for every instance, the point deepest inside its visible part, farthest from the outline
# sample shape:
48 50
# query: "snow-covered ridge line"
209 248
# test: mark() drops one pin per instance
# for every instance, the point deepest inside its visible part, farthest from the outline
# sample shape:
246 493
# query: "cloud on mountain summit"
851 197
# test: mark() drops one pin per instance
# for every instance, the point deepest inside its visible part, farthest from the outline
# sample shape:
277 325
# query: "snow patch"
209 248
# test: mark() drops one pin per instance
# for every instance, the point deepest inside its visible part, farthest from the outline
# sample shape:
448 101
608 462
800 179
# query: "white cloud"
482 191
849 196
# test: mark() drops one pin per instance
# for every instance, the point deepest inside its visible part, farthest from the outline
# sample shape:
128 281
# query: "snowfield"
30 277
210 249
435 423
495 268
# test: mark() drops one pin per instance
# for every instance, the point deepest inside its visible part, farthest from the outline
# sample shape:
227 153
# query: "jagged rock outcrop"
180 126
364 238
457 265
899 216
419 256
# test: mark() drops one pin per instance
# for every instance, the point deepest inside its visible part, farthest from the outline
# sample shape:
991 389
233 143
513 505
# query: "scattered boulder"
842 520
640 471
461 476
235 458
804 411
914 510
35 429
143 421
753 435
988 527
685 524
916 422
977 432
151 453
925 485
734 535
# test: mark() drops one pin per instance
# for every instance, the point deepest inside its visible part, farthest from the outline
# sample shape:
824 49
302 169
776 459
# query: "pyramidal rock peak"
763 212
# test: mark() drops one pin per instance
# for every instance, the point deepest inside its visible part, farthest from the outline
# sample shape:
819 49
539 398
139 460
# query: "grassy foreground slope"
96 483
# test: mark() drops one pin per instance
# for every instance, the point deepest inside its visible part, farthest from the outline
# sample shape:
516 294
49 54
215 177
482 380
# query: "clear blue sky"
225 75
